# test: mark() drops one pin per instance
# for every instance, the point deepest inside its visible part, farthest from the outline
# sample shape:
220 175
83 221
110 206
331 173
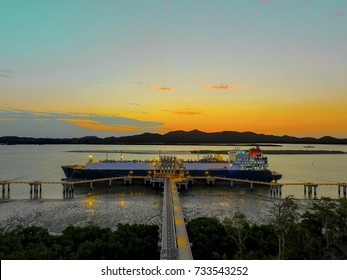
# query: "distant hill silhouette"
224 137
178 137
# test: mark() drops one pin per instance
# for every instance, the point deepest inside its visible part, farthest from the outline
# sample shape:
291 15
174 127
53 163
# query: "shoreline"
202 152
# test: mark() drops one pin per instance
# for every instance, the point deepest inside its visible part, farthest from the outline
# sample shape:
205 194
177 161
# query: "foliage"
238 228
209 239
284 218
323 230
84 243
320 232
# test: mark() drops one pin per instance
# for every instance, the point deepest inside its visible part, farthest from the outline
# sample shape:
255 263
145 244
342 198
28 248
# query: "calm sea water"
43 162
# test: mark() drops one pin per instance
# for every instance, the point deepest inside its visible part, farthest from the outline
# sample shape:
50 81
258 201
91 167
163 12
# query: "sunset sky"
102 67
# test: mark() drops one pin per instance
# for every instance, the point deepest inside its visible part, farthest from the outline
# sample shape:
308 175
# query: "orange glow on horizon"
214 113
315 119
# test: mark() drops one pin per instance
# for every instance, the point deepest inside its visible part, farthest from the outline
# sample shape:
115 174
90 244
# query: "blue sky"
269 66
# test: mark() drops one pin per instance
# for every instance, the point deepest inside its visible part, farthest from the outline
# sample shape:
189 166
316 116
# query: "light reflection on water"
102 209
135 205
221 202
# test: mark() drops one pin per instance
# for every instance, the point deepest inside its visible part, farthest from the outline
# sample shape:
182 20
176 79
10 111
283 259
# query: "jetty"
174 238
275 188
174 242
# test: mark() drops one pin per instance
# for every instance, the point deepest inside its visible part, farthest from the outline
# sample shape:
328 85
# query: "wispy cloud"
5 73
339 13
156 87
85 121
219 86
335 14
183 112
6 119
264 2
163 88
96 125
41 120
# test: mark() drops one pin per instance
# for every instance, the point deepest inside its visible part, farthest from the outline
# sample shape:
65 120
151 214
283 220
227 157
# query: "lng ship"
240 164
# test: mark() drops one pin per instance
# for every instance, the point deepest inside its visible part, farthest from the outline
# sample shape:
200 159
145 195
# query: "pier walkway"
168 250
174 238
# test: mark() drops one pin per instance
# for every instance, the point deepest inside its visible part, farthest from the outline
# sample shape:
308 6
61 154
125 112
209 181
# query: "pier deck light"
90 158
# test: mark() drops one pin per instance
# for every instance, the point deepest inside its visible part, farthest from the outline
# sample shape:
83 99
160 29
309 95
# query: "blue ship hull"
72 173
88 174
253 175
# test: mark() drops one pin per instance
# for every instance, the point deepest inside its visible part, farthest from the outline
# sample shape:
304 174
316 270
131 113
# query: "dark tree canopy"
320 232
128 242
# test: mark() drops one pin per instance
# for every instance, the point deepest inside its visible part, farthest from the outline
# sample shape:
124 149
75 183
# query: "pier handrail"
194 177
72 181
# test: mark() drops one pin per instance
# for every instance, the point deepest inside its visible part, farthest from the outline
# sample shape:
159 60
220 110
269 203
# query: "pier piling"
276 189
159 181
310 187
180 184
146 180
35 189
210 181
4 187
68 190
35 186
190 181
344 187
127 181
